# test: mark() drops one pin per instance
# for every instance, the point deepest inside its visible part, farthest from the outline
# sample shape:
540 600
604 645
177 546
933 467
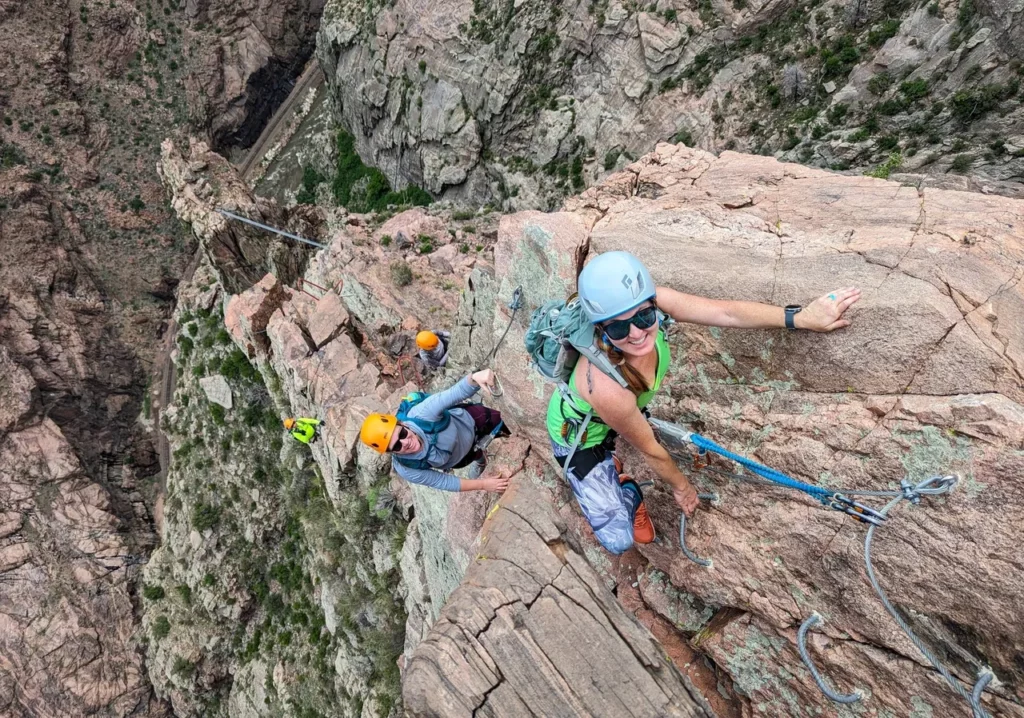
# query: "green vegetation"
217 412
183 667
401 273
961 163
236 367
969 105
839 58
878 84
837 114
359 188
426 244
611 157
205 516
161 627
153 592
914 90
888 142
185 591
880 33
888 167
307 192
11 156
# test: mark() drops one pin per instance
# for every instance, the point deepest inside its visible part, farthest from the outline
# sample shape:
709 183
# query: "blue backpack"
430 428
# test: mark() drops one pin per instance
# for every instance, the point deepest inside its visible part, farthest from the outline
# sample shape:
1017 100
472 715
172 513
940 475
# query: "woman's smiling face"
405 441
639 342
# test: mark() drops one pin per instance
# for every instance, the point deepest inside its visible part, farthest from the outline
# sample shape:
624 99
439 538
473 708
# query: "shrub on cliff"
161 627
307 192
359 188
401 274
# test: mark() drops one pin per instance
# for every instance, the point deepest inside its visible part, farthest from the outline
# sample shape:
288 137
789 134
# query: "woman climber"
620 299
431 434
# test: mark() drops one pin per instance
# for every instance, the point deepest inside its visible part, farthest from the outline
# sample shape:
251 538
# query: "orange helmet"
426 340
377 430
289 423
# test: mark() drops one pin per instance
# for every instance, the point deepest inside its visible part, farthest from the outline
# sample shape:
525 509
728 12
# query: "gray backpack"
559 333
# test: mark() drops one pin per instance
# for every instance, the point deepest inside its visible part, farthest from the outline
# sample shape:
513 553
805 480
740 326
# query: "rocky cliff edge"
926 381
527 616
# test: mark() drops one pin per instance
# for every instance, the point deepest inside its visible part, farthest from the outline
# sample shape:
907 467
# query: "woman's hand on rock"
483 379
496 483
686 498
825 313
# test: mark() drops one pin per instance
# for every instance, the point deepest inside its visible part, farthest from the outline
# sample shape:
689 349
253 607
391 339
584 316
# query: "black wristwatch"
791 312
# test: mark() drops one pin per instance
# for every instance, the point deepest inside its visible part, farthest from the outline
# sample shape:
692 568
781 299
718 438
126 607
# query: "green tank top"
559 410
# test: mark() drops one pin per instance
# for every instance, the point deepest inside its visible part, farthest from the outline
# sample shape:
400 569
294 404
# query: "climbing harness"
485 441
675 438
268 228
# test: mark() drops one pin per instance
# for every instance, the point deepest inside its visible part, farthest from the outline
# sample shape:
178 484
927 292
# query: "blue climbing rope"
677 436
776 477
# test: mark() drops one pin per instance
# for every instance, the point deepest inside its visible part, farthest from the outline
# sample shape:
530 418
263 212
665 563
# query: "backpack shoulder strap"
599 359
429 427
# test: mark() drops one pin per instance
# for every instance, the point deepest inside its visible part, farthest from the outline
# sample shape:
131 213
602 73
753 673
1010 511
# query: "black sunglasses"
643 319
403 434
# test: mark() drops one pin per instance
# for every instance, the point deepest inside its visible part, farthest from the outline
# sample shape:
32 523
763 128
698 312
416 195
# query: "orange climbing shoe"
643 527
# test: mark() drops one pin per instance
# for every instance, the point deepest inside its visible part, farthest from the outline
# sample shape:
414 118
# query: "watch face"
793 307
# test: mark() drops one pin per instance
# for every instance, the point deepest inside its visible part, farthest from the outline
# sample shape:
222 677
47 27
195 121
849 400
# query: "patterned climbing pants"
608 506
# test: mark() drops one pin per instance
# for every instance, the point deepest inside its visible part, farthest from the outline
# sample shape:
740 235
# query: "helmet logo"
631 286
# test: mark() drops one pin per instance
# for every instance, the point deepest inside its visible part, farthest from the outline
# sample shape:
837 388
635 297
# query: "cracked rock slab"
925 381
217 390
532 630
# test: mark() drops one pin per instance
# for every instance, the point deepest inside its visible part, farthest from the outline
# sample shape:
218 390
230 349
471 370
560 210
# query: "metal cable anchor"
705 562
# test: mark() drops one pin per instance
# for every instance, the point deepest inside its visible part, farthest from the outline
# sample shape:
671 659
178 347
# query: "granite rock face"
201 182
246 56
73 524
533 630
927 381
528 614
525 103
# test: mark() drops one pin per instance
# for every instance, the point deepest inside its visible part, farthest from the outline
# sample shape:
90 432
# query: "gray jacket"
449 447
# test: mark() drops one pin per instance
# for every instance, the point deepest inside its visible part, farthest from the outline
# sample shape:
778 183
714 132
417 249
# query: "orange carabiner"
700 461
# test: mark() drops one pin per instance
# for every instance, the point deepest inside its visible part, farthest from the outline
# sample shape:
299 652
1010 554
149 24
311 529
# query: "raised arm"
824 314
431 408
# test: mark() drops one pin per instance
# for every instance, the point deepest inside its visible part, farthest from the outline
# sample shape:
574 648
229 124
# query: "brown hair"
636 381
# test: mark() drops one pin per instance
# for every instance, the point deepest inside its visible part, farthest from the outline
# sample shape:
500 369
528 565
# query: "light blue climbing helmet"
613 283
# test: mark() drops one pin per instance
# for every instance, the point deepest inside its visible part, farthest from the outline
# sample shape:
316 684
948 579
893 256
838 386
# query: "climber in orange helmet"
431 434
303 429
433 346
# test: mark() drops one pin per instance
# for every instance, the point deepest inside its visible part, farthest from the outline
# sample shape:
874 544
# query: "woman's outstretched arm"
824 314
